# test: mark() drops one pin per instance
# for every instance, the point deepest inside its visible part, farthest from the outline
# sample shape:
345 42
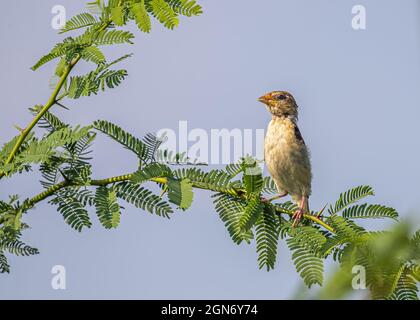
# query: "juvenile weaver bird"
286 155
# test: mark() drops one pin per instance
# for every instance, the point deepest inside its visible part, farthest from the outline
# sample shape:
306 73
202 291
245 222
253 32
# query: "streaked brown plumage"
285 152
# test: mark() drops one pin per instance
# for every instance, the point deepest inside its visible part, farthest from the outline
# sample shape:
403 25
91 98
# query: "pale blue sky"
358 93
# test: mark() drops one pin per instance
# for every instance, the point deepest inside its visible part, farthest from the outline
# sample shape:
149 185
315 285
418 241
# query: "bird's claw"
297 217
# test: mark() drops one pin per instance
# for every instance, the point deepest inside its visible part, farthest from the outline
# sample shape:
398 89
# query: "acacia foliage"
62 155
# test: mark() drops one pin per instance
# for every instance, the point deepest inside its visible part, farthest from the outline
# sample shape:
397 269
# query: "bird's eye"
281 97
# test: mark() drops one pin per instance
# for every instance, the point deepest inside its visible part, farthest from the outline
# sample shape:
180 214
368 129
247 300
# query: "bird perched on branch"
285 152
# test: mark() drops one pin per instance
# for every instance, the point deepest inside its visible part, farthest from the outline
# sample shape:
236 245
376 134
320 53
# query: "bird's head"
280 104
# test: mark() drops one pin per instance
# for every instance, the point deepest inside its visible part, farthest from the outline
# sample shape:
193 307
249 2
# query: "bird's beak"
264 99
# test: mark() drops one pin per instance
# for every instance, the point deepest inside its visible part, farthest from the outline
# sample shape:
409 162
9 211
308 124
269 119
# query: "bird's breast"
280 141
286 156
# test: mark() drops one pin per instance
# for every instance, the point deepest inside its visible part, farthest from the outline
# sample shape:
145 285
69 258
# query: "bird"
286 155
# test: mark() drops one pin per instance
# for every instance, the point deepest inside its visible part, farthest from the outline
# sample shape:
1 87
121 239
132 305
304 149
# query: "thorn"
163 191
61 105
320 212
19 128
64 176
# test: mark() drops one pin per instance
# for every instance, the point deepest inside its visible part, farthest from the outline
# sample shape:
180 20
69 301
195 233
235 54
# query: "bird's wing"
298 135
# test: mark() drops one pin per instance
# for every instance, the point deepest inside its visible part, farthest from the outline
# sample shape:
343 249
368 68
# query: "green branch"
54 99
239 193
40 114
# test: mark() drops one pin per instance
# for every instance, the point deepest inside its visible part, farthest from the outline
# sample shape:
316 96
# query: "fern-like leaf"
308 265
79 21
58 51
345 229
93 54
370 211
267 234
153 170
251 212
4 265
269 186
18 248
107 207
143 198
164 13
111 78
230 211
72 210
180 192
107 37
406 288
185 7
117 15
126 139
141 17
349 197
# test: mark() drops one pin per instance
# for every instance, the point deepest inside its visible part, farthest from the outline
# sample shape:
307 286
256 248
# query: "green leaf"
94 81
58 51
59 69
153 170
18 220
230 210
72 210
185 7
141 17
126 139
111 78
406 287
180 192
93 54
107 207
309 266
4 266
164 13
349 197
153 143
95 7
174 158
117 15
81 20
17 247
251 213
267 235
143 198
252 176
345 229
39 151
107 37
310 237
5 207
214 180
269 186
370 211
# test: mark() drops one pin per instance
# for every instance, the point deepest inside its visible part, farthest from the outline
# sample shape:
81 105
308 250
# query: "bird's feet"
297 217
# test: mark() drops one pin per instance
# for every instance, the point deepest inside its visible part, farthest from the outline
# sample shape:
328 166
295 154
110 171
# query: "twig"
236 192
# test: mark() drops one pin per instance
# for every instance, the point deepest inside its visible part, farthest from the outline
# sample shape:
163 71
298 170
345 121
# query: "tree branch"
162 180
45 108
54 98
